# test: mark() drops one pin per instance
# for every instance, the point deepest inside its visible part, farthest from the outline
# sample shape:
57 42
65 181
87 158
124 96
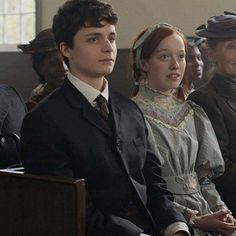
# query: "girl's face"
224 55
166 66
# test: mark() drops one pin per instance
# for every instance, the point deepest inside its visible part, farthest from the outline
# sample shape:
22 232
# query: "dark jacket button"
118 142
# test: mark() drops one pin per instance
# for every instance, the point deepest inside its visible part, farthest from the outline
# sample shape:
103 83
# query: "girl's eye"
182 56
164 57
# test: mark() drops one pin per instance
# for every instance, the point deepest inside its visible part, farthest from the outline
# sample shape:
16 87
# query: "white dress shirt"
89 92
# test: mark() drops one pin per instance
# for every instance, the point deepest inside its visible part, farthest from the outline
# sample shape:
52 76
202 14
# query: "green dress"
188 149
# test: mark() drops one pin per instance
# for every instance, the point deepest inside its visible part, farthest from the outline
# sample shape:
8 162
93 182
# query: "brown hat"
43 42
218 27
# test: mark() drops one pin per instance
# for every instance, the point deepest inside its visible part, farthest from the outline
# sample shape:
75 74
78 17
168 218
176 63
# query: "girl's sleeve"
209 163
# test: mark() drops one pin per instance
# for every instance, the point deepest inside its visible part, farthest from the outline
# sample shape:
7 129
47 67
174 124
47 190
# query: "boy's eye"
112 39
92 40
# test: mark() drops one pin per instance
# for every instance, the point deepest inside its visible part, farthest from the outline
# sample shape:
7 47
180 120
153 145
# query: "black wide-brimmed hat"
43 42
218 27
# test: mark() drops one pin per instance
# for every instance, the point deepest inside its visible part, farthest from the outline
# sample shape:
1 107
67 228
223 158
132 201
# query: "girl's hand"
218 222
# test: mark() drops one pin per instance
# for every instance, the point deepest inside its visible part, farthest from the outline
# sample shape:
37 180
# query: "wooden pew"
32 205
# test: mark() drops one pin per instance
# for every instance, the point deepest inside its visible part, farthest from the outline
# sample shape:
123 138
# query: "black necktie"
102 107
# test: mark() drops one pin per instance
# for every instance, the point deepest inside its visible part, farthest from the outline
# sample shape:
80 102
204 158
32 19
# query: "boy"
105 143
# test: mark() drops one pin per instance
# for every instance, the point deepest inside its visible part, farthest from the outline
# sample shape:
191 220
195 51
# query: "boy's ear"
65 50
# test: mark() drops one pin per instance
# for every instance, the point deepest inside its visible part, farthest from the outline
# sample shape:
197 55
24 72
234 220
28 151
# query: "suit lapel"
117 115
115 112
232 104
92 116
78 102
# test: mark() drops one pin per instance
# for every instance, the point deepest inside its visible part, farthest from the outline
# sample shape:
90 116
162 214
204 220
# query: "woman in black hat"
218 97
47 63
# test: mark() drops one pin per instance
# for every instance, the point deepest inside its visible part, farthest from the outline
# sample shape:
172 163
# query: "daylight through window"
17 22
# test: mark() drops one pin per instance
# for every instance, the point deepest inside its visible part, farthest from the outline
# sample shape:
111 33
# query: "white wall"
135 15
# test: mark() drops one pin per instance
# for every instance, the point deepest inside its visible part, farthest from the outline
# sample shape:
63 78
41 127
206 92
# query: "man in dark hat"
47 63
218 97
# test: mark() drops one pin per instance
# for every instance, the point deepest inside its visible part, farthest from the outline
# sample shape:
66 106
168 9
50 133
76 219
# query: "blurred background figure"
194 66
47 63
218 97
12 112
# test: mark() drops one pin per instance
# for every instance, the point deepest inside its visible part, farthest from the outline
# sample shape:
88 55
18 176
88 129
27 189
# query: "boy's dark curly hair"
75 14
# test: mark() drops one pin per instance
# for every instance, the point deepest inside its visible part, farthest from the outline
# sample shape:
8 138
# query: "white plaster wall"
135 15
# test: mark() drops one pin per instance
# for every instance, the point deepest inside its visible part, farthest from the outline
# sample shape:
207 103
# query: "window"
17 23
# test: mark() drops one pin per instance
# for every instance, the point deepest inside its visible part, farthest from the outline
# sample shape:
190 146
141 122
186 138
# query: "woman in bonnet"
218 97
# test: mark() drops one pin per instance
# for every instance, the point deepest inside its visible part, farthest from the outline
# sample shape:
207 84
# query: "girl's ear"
65 50
144 65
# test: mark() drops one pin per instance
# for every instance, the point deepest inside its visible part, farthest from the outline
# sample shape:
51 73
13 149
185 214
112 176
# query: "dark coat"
218 99
12 110
66 136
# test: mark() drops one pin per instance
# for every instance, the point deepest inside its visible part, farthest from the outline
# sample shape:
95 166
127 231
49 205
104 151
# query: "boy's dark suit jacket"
65 136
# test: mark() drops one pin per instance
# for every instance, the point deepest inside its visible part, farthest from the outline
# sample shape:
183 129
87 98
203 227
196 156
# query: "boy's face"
93 53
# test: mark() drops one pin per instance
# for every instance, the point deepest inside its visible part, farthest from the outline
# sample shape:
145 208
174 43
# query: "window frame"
38 17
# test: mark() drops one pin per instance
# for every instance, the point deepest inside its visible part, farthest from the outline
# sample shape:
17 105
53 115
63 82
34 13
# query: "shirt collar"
88 91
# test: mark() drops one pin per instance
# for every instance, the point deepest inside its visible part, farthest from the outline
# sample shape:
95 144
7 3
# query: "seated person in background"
218 97
12 110
47 63
194 66
185 140
84 130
